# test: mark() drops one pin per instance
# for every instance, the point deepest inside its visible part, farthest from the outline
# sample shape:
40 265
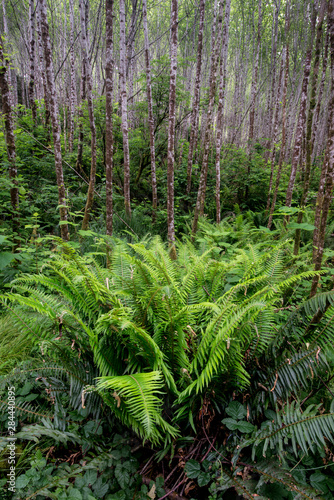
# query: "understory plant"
214 347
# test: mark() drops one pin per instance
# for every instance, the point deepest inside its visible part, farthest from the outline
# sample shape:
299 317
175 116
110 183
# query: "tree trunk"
276 120
109 114
10 138
299 131
282 149
124 108
171 129
253 94
196 100
86 62
273 66
327 199
5 29
32 61
221 103
150 113
72 90
309 144
42 68
320 94
78 164
54 120
199 208
130 59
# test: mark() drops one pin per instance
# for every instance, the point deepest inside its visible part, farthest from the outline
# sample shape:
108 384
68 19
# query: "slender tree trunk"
150 113
199 208
318 206
72 90
308 138
253 95
171 129
124 108
109 114
5 29
130 59
86 62
32 61
10 138
42 68
320 94
273 66
196 100
221 103
276 120
78 165
54 120
300 128
329 184
283 145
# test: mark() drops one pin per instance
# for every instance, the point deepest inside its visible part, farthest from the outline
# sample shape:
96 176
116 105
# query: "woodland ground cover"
166 260
209 374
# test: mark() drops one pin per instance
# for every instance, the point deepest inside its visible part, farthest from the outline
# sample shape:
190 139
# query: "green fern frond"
139 396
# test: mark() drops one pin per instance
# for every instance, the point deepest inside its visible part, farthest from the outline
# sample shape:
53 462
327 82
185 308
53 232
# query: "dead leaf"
151 493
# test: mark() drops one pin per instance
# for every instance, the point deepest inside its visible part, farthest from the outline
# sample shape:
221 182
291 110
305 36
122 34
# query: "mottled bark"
276 120
78 165
253 95
89 94
130 59
329 184
32 61
254 80
150 113
171 128
318 205
221 103
72 84
109 114
283 144
308 138
124 108
316 121
199 207
54 112
300 128
273 81
196 99
41 67
10 138
5 29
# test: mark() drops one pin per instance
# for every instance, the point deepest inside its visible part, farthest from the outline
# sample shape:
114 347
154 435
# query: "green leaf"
122 475
265 229
203 479
5 259
80 482
192 469
305 226
274 491
22 481
100 488
230 423
74 494
318 481
289 210
90 477
245 427
236 410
